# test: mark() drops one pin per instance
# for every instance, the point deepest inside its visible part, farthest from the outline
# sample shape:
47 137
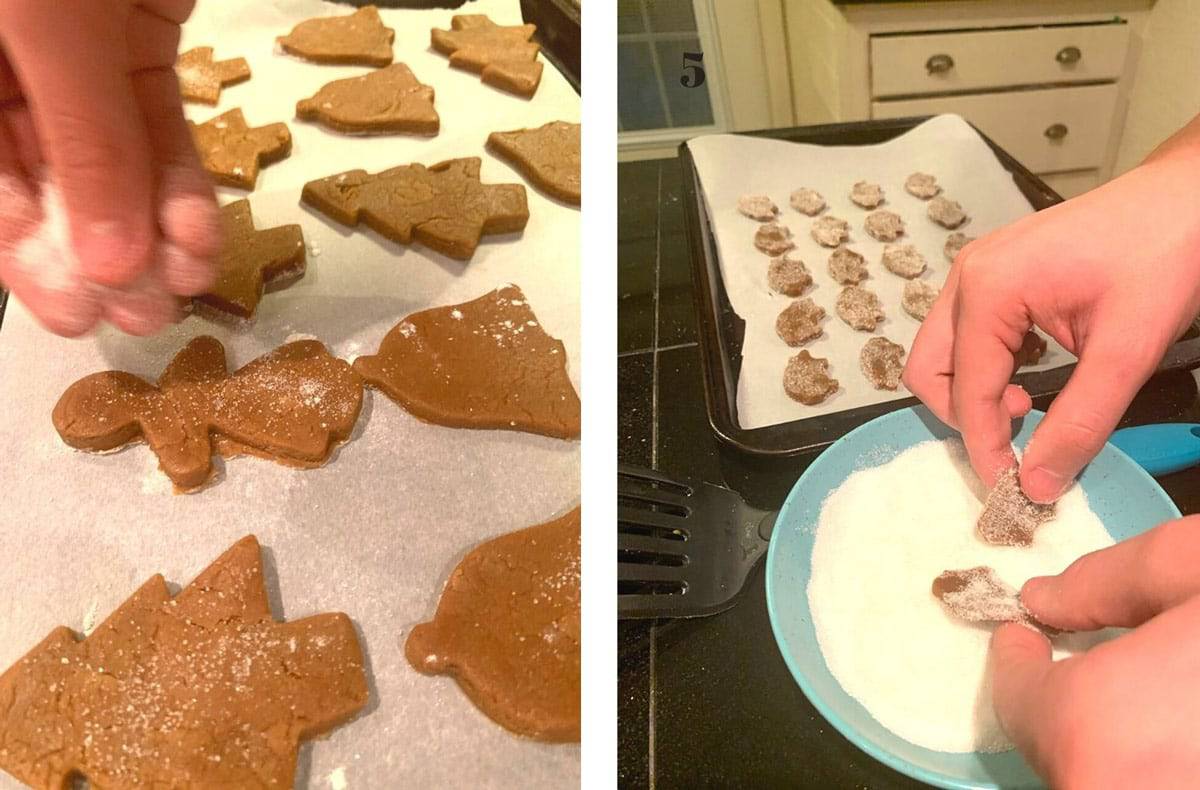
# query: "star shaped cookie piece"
201 689
253 261
383 101
232 152
504 57
548 156
359 38
444 207
201 79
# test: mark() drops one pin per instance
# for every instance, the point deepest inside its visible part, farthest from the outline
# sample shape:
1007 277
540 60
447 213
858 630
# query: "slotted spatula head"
684 547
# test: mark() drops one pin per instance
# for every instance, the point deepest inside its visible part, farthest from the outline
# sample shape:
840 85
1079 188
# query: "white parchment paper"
730 166
374 533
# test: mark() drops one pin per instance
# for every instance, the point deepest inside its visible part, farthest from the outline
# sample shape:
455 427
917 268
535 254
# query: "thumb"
90 129
1019 663
1112 368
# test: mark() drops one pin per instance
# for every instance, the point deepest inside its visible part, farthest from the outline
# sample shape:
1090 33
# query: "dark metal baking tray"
721 330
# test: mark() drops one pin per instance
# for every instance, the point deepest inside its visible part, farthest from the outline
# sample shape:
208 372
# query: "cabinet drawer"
1021 122
907 65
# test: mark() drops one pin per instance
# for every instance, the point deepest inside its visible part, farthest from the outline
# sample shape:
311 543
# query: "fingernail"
1044 485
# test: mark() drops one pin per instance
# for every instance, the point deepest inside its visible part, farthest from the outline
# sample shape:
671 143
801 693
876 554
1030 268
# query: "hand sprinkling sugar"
105 213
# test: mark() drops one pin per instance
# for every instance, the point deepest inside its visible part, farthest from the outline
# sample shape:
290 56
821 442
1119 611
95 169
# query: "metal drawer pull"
939 64
1068 56
1056 131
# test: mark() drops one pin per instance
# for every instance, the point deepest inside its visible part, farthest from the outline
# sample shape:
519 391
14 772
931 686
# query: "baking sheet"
374 533
731 165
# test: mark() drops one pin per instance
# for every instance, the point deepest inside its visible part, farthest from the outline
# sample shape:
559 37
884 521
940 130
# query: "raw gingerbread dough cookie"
866 195
1010 518
293 405
788 275
548 156
200 689
954 244
486 363
922 185
201 79
881 362
1033 346
859 307
232 152
946 213
444 207
507 629
773 238
884 225
829 231
807 201
383 101
847 267
978 595
504 57
253 261
918 298
904 260
758 207
359 38
806 379
799 322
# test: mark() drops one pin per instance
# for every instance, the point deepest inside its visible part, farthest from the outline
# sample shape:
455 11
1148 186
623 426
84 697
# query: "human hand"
1112 275
1123 714
89 102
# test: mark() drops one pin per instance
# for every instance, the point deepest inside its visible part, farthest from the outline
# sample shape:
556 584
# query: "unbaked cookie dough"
847 267
773 238
884 225
830 231
359 39
384 101
788 275
918 298
922 185
882 362
799 322
758 207
549 156
502 55
806 379
866 194
860 308
946 213
903 260
954 244
807 201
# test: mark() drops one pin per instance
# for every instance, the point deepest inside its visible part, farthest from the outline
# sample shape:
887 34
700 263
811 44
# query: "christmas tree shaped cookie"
503 57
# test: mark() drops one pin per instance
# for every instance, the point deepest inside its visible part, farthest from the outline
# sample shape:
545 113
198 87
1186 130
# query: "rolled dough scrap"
444 206
507 628
253 261
806 379
1010 518
292 405
358 38
486 363
201 689
504 57
232 152
548 156
201 79
383 101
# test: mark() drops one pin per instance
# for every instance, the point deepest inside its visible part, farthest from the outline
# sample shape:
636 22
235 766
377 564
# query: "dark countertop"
709 702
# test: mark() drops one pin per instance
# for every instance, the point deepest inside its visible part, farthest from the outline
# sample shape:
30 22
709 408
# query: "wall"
1166 93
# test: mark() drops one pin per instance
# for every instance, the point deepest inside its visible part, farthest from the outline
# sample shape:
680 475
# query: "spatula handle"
1162 448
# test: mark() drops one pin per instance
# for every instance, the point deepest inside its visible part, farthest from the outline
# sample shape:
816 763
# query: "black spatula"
684 547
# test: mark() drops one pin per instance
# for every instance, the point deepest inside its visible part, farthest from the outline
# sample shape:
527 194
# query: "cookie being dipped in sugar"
507 628
788 275
384 101
921 185
757 207
807 201
866 195
1010 518
486 363
359 39
799 322
444 207
884 225
829 231
860 308
548 156
978 595
918 298
954 244
806 379
233 152
773 238
201 78
204 688
293 405
903 260
503 56
882 362
253 262
847 267
946 212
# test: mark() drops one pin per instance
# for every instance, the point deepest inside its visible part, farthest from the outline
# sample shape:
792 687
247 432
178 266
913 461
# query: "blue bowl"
1120 492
